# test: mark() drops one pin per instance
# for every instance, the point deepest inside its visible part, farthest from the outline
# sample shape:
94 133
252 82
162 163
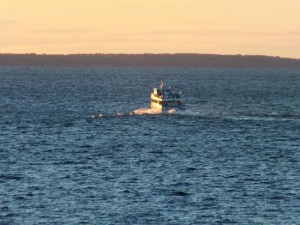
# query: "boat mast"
161 84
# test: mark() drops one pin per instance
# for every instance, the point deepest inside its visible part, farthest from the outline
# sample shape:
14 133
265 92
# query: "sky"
247 27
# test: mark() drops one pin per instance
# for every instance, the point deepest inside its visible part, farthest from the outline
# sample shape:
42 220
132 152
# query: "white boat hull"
161 105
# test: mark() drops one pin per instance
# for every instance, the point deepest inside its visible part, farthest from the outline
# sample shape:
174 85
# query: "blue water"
232 158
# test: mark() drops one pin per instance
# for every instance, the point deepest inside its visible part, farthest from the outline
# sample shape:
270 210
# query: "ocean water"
72 151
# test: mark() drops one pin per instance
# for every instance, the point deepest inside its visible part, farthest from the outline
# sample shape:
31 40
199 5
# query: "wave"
266 117
146 111
188 112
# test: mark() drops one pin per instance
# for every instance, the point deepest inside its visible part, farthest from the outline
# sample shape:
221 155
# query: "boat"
166 99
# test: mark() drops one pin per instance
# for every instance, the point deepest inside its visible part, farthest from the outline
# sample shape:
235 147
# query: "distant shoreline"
149 60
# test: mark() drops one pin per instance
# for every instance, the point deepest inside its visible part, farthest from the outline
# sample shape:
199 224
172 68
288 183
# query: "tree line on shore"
149 60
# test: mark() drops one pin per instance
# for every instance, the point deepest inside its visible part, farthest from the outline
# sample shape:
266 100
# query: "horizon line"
148 53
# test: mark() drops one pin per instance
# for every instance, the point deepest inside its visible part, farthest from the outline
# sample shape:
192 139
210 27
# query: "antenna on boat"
161 84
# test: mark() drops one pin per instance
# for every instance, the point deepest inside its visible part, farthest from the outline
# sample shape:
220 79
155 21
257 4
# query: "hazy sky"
267 27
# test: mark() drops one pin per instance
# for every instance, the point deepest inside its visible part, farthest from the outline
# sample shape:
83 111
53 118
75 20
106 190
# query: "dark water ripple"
233 159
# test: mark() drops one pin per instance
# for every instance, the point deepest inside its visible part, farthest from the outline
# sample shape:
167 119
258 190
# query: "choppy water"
232 158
